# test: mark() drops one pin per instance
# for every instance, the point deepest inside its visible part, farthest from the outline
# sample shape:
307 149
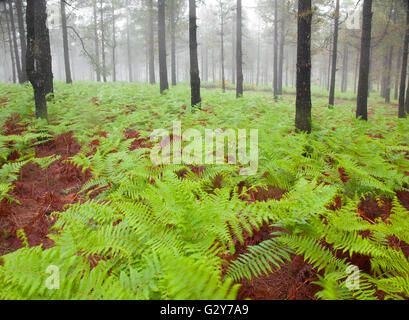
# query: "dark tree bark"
363 84
23 40
96 43
128 45
173 41
239 51
152 79
402 113
39 63
303 103
163 70
67 64
334 57
13 63
275 84
194 63
14 35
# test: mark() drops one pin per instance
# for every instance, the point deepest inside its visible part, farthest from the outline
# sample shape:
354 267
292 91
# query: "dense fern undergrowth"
151 232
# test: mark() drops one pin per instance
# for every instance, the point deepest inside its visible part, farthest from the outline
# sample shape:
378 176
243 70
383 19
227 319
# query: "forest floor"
37 192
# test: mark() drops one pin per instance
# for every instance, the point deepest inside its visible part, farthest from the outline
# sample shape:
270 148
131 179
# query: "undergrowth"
150 232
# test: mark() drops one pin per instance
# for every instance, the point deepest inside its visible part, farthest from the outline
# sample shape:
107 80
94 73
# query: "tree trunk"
68 77
113 43
13 63
398 66
239 51
222 47
128 45
345 67
388 76
213 67
363 84
234 55
152 79
14 35
23 40
39 63
275 84
329 67
402 113
163 70
281 61
206 61
303 103
194 63
258 58
104 64
334 58
96 43
383 72
173 41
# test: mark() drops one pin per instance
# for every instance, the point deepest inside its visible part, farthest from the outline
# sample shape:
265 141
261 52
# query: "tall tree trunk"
213 67
383 72
104 63
334 57
14 34
128 45
389 76
356 72
234 55
275 85
13 63
363 85
398 66
23 40
222 47
163 70
96 43
113 43
152 79
345 67
258 58
173 40
329 66
39 63
402 113
206 61
194 63
239 51
281 61
67 64
303 103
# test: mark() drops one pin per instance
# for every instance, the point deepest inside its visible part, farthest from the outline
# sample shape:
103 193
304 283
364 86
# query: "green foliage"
152 234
